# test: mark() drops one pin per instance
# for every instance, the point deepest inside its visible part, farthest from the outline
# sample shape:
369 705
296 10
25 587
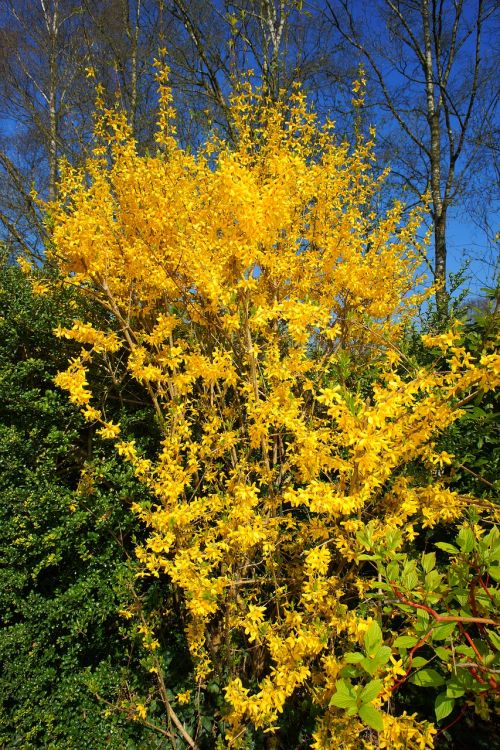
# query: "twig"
477 476
145 722
455 721
171 713
444 618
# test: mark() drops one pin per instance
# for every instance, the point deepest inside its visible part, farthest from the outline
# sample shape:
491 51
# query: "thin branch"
364 51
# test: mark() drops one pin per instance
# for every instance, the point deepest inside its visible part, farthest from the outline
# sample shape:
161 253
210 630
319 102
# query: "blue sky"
465 238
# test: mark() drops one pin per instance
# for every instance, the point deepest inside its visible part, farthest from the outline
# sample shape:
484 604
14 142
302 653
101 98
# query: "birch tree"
37 63
52 55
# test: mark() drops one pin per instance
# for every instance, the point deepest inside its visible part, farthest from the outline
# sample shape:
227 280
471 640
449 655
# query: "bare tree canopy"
435 95
432 88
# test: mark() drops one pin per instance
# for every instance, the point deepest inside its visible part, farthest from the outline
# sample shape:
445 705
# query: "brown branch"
144 722
418 645
477 476
443 618
171 713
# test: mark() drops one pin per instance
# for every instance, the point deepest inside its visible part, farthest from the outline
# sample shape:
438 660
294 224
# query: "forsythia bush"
259 296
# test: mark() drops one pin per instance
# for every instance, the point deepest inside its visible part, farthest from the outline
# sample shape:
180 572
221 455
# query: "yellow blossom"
140 711
250 289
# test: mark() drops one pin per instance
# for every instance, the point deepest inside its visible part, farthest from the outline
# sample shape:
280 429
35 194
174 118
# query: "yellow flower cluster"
404 733
252 287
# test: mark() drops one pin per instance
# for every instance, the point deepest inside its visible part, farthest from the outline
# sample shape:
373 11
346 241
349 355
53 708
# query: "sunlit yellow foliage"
259 297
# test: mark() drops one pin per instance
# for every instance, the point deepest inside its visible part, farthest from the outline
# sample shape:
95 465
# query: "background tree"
436 82
277 40
37 73
52 54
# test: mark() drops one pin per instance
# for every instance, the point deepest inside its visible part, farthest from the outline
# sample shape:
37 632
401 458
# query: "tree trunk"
438 209
440 263
52 24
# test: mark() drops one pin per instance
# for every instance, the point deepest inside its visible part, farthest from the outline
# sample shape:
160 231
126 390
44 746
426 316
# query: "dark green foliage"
63 545
475 439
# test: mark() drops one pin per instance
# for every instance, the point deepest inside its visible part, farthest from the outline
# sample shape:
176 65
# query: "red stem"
471 642
411 655
443 618
455 720
485 587
448 618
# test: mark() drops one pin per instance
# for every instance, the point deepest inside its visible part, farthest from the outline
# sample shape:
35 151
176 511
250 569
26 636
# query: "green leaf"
371 717
207 723
465 539
450 548
494 638
454 689
344 697
427 678
383 655
422 623
442 632
432 580
409 579
354 657
370 691
372 663
429 561
373 639
443 653
342 701
405 641
494 571
418 662
459 684
393 540
462 597
495 551
393 571
369 665
348 671
443 706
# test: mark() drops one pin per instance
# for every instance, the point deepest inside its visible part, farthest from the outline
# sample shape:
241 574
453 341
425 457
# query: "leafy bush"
260 304
64 538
